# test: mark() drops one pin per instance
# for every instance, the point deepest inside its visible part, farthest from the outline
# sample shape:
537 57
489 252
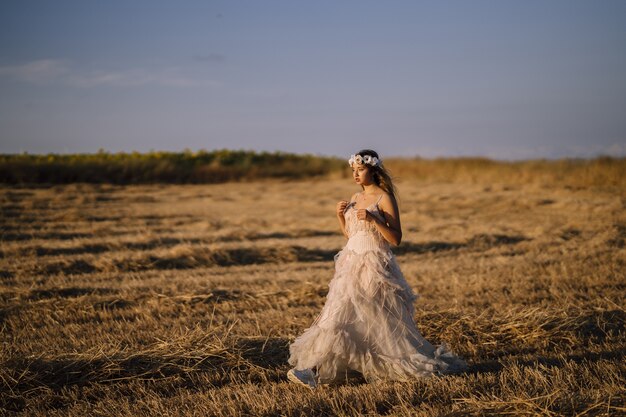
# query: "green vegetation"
237 165
167 167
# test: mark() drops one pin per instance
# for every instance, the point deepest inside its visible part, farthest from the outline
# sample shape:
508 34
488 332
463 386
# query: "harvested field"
182 299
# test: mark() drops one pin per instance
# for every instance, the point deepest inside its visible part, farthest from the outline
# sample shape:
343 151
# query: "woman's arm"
342 223
341 207
390 228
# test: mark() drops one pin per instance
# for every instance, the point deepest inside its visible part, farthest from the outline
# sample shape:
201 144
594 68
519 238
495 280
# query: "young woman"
366 324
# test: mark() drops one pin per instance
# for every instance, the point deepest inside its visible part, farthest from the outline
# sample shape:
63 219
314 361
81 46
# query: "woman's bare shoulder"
388 202
387 197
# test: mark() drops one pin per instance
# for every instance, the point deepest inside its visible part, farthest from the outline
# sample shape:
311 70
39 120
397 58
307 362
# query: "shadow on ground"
495 366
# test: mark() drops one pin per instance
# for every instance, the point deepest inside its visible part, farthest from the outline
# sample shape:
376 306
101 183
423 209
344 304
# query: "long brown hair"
380 174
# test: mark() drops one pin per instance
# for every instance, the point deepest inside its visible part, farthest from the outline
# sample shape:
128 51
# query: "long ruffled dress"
366 324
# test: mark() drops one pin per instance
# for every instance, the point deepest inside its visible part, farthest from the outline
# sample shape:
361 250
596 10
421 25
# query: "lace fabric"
366 324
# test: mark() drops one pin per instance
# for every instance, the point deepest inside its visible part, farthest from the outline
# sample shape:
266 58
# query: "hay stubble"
182 300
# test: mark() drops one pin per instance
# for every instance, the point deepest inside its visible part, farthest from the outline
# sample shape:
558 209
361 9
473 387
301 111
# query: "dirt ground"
183 299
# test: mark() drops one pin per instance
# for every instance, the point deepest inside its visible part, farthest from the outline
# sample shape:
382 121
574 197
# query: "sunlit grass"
182 299
231 165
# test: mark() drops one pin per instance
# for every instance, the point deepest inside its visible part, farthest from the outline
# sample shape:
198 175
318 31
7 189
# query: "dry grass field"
182 299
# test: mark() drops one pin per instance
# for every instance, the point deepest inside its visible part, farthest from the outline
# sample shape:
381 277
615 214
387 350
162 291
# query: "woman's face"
361 174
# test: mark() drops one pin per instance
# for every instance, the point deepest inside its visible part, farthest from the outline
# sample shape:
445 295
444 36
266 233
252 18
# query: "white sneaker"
302 377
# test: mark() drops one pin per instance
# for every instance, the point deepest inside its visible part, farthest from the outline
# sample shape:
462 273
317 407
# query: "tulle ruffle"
367 325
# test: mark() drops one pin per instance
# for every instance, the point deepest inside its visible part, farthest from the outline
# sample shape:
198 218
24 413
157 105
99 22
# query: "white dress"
366 324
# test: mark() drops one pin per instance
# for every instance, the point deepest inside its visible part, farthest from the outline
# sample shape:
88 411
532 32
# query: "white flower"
365 159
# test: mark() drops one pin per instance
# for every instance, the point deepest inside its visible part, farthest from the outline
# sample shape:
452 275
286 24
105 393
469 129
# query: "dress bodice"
363 235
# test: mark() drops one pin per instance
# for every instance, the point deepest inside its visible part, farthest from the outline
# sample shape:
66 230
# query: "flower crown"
365 159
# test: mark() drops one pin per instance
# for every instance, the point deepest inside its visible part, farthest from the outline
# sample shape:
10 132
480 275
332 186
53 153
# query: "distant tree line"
237 165
161 167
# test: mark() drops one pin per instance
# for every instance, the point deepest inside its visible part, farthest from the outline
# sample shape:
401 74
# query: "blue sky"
502 79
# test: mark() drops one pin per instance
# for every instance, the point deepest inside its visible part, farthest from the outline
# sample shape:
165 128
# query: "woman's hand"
341 207
364 214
